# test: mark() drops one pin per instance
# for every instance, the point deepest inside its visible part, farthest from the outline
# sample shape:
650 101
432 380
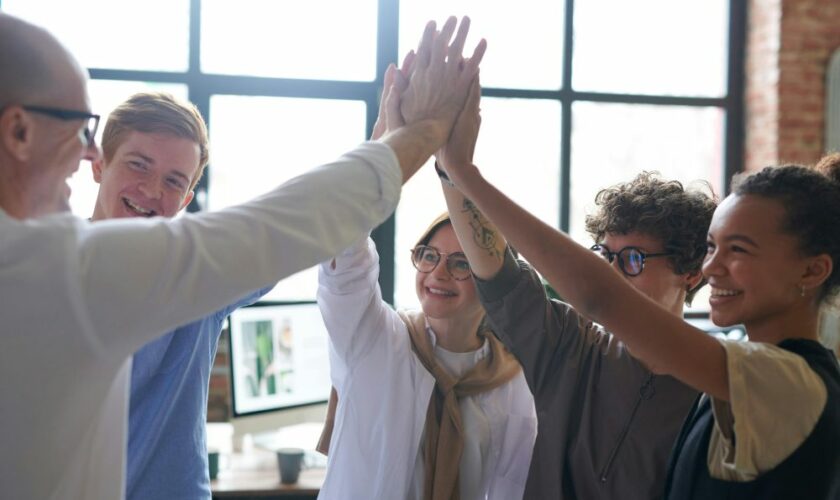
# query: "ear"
98 166
187 199
817 270
16 133
692 279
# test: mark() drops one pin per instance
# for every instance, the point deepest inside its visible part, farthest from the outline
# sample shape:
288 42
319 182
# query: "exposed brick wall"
789 45
762 81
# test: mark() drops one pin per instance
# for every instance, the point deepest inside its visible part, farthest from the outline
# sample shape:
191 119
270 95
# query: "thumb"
393 117
474 96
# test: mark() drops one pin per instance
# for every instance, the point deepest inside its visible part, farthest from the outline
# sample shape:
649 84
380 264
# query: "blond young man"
155 149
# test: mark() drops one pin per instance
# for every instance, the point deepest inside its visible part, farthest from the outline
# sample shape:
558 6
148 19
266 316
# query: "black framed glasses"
631 260
91 120
426 259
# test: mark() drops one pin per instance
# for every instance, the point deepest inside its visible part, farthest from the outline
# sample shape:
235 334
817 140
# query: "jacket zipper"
645 392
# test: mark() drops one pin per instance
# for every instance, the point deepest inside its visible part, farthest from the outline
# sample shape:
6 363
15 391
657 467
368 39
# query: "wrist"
464 176
434 133
414 144
443 177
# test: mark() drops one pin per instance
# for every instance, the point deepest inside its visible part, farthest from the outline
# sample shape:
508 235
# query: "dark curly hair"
811 198
663 210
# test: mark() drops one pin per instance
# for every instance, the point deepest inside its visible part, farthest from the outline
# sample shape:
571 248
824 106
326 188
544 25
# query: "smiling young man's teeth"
438 291
138 209
722 292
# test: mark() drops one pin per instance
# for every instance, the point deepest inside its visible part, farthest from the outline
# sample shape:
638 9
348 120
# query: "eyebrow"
143 157
739 237
151 160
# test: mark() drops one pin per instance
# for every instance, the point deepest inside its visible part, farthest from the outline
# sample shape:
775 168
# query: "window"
652 47
506 124
152 35
315 39
261 142
577 95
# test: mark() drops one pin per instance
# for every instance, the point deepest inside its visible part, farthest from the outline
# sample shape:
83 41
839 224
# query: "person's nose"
150 188
440 272
712 265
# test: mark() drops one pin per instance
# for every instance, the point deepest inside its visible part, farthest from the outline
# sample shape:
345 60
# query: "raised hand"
395 83
441 78
458 151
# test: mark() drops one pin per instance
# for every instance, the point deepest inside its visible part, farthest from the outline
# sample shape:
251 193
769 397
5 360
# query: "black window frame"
201 86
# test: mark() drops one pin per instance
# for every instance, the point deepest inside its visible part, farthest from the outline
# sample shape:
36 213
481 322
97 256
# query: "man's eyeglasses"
91 123
426 259
631 260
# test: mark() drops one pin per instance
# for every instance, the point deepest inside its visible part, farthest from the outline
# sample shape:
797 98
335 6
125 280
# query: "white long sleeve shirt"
383 394
76 300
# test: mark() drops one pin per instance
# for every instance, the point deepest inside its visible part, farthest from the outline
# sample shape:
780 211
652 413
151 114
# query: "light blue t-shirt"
167 441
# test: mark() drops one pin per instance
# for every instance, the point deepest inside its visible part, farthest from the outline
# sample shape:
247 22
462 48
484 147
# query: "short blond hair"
161 113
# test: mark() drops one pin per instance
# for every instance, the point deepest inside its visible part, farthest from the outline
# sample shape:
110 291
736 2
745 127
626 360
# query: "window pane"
611 143
149 35
315 39
257 143
105 95
514 35
522 161
671 47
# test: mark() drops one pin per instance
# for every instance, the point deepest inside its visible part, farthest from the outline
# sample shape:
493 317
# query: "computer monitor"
279 357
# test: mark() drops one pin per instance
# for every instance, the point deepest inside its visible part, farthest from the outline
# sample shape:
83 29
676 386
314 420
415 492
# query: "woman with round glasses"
430 404
768 423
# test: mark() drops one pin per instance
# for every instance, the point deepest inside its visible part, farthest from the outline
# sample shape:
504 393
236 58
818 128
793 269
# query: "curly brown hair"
660 209
811 198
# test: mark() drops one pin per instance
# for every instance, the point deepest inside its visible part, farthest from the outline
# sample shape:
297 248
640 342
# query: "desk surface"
257 475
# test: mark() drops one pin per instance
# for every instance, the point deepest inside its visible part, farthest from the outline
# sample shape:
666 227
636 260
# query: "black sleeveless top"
811 472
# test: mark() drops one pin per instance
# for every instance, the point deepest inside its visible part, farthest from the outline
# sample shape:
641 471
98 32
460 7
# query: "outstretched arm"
538 331
482 243
665 343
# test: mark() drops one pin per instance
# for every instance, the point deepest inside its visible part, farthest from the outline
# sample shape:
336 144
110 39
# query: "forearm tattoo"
484 234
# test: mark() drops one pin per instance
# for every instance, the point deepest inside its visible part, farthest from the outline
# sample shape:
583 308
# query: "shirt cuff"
387 165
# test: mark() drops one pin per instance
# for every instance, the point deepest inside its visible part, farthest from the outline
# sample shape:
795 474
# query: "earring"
801 290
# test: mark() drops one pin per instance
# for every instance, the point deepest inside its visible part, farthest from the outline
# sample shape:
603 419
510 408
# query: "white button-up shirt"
383 394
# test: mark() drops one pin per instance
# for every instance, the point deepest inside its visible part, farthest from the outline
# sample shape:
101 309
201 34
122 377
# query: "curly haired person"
606 421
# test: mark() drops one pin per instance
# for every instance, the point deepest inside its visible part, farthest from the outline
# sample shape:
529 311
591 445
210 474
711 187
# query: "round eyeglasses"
426 259
631 260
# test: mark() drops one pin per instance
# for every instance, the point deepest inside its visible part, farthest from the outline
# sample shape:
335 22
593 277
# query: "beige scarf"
444 436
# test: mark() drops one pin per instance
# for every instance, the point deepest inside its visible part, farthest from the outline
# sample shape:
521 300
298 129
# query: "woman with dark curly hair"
768 423
606 421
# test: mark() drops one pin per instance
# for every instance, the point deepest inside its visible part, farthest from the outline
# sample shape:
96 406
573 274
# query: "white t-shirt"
472 470
77 299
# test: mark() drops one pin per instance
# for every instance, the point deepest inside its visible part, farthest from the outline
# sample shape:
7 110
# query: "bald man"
76 299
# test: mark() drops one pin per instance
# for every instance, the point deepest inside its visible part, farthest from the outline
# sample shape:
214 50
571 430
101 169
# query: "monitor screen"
279 357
